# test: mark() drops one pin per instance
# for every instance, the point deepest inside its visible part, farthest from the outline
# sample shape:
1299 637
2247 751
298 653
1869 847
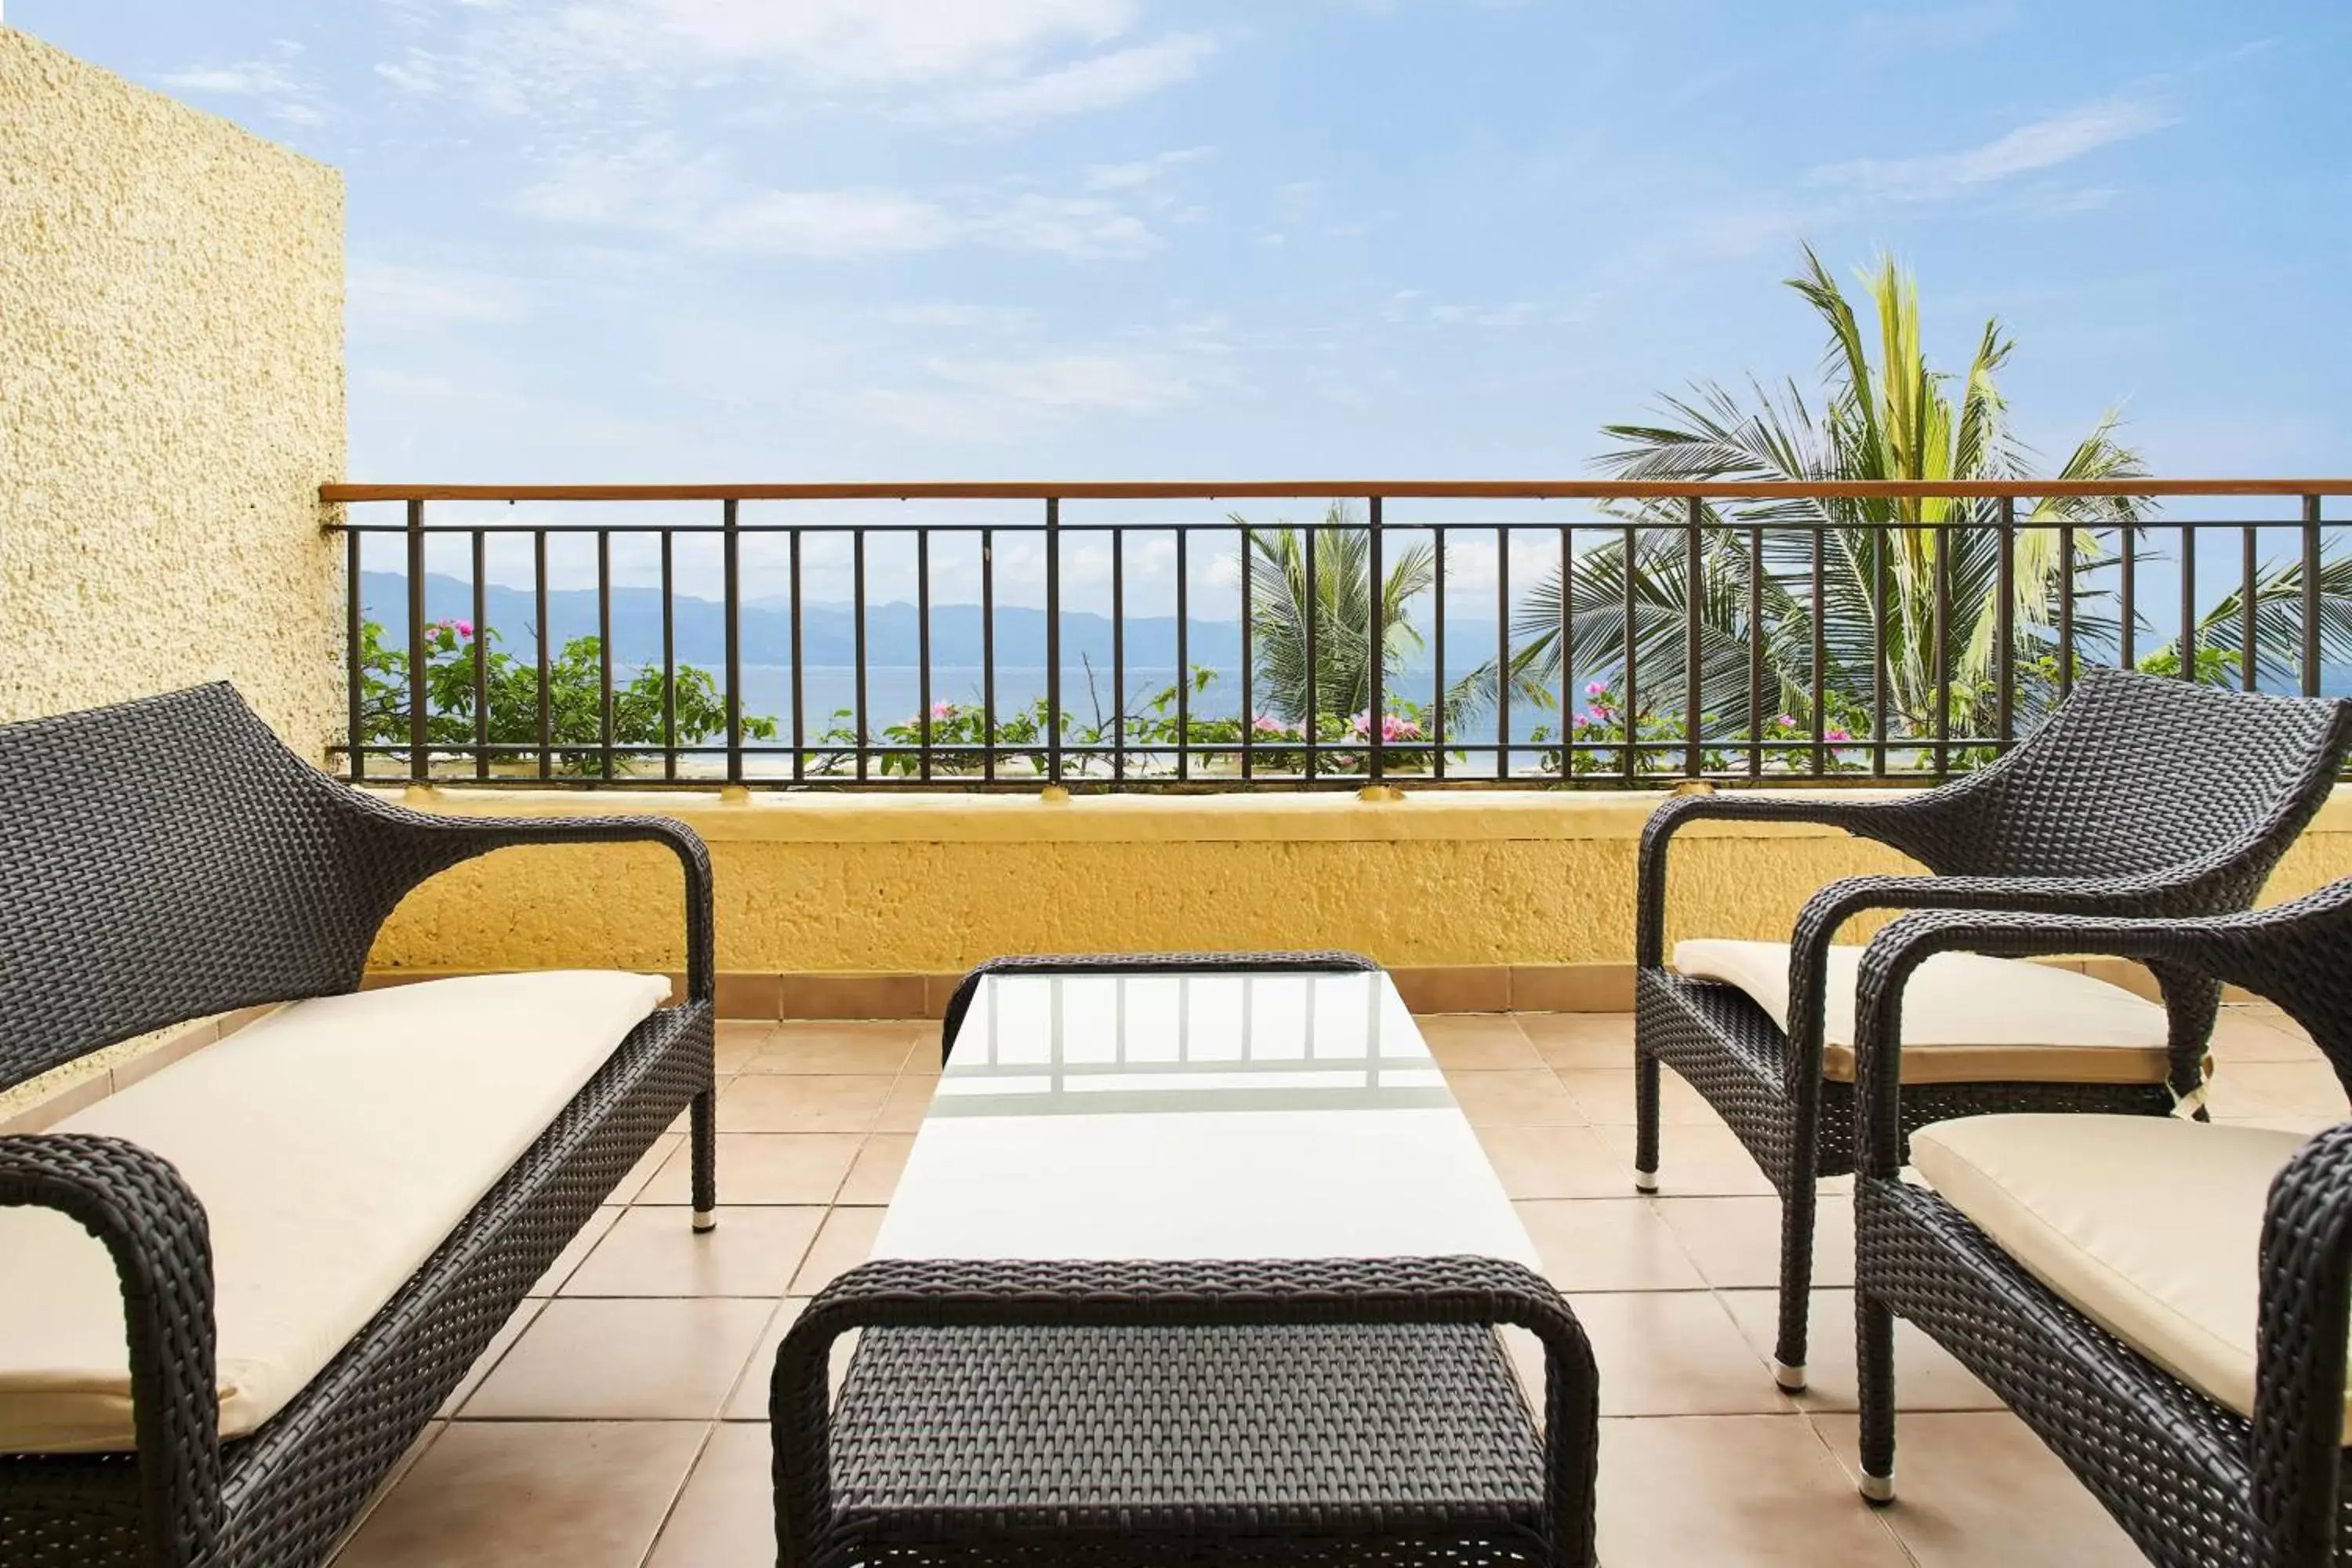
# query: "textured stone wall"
170 398
845 884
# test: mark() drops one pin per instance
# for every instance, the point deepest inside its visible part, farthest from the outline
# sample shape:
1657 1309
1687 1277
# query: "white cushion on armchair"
1965 1017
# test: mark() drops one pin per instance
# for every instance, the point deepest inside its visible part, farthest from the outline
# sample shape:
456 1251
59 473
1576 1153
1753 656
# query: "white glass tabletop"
1195 1115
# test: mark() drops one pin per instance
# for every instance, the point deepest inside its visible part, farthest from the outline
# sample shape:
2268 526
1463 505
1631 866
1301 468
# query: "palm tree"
1341 615
1874 567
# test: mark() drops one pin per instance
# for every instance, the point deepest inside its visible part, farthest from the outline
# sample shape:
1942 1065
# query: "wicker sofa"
239 1287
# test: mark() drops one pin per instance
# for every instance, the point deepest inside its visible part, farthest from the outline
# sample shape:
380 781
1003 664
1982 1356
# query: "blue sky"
649 239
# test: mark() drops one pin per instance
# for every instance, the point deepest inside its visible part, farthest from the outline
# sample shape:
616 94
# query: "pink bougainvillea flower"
464 630
1594 689
1267 724
1361 724
1789 719
943 709
1834 733
1395 727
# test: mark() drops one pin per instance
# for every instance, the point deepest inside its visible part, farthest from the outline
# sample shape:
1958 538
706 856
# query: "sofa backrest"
166 859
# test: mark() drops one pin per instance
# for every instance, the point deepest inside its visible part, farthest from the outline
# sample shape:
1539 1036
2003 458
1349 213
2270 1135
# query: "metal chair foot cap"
1877 1489
1644 1180
706 1219
1792 1379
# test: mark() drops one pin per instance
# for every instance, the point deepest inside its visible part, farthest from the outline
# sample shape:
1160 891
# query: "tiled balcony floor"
619 1418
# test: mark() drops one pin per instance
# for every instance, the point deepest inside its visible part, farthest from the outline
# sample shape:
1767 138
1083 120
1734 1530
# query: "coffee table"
1188 1263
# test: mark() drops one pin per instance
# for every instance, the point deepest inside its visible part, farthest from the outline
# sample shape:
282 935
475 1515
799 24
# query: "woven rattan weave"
2138 796
1318 1411
2192 1482
168 858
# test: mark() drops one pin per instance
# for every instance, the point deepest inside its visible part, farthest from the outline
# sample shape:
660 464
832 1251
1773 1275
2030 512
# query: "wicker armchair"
2258 1476
167 858
2138 796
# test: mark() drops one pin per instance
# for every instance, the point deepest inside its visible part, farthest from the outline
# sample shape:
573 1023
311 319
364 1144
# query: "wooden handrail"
1445 490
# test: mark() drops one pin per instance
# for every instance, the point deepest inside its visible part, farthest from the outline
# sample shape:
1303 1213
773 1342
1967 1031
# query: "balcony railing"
1111 635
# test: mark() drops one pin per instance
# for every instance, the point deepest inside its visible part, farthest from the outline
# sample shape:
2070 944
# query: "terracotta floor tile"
727 1514
500 1343
630 1186
837 1047
750 1400
587 1360
1528 1097
1730 1491
1694 1161
1582 1041
820 1102
762 1168
1613 1243
843 1244
1981 1488
2301 1088
576 1251
1736 1242
1556 1162
738 1040
1477 1042
1674 1353
655 1251
1607 1096
1926 1376
875 1176
910 1098
2242 1035
587 1495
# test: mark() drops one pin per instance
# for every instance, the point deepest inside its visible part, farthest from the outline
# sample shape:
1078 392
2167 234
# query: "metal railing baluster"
481 659
419 757
604 652
669 656
1376 643
1694 590
732 568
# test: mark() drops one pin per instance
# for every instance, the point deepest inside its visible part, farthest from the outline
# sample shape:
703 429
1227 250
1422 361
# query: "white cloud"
829 222
1081 227
1087 85
657 186
383 294
1004 62
868 41
271 79
1143 172
2043 144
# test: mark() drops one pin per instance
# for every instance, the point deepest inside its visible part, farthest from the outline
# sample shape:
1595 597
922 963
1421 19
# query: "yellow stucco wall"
171 399
851 884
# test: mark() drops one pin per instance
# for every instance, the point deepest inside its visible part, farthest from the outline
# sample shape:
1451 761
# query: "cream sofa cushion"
2151 1227
1966 1018
334 1145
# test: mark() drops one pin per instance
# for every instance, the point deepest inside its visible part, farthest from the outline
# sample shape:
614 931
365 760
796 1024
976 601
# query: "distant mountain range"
829 635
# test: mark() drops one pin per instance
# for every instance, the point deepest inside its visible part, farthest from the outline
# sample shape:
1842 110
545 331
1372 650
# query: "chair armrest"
463 838
2299 1360
906 1293
1677 811
135 1202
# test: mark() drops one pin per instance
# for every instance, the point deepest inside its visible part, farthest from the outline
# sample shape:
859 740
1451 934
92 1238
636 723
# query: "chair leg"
1645 1120
1796 1280
705 1134
1875 1360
